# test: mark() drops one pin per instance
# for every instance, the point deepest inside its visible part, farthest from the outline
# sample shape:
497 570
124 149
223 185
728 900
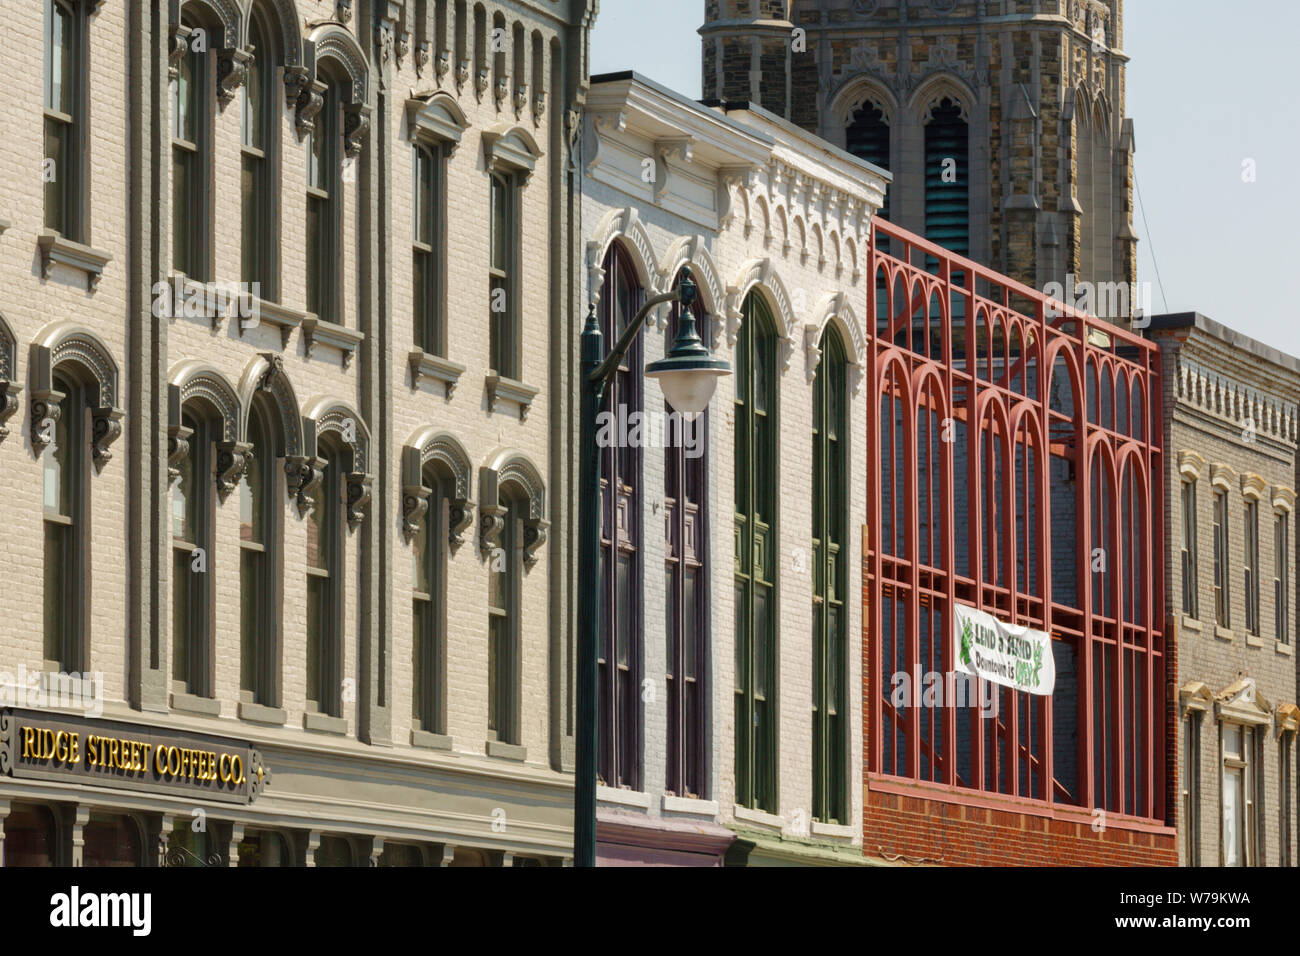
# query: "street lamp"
688 375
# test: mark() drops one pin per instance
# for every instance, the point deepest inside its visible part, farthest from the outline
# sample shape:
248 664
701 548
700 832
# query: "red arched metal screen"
1014 466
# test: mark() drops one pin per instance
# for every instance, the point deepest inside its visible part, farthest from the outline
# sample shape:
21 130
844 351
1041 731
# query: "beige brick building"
1230 556
217 503
1003 120
773 223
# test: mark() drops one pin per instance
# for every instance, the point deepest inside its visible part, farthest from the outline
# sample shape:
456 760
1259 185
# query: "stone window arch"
447 455
508 467
85 356
334 417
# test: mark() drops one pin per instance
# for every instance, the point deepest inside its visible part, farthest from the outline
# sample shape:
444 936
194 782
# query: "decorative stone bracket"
232 65
8 405
491 523
304 474
232 458
105 428
415 504
178 449
358 491
534 537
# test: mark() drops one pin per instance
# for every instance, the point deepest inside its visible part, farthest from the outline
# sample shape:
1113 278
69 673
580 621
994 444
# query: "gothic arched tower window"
947 177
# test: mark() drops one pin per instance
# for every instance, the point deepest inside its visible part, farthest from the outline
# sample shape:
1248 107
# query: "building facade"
730 553
1230 428
290 288
1003 119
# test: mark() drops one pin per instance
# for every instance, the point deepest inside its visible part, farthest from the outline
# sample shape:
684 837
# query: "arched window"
259 576
259 146
191 93
830 581
755 478
65 96
429 593
67 518
334 851
503 323
867 137
325 571
685 587
264 848
947 177
192 557
504 582
620 579
31 836
325 205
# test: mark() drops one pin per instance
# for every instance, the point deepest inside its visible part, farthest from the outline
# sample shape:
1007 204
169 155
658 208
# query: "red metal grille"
1014 466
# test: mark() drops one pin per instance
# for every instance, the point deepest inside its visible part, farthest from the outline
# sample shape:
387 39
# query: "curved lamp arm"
605 370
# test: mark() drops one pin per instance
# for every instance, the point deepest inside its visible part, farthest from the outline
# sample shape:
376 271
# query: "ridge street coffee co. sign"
104 753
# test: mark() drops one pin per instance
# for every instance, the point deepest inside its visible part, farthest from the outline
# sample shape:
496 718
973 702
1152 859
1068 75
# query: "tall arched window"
685 589
191 91
67 518
867 137
620 542
65 95
325 570
427 241
830 581
503 322
192 557
259 144
755 478
259 574
429 593
504 583
325 206
947 177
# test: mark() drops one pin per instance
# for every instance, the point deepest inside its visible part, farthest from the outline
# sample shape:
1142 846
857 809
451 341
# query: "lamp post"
688 375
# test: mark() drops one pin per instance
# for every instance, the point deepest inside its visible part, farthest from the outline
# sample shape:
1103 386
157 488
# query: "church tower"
1002 120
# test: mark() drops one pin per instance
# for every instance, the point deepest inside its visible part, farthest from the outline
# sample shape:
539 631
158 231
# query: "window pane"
689 620
250 203
500 225
1232 845
315 223
250 579
57 134
315 624
623 599
182 170
1232 739
60 59
181 627
252 126
57 556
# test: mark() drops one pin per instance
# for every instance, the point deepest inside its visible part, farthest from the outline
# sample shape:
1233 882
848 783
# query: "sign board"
104 753
1007 654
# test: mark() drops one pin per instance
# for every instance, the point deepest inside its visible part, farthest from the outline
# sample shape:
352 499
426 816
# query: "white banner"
1006 654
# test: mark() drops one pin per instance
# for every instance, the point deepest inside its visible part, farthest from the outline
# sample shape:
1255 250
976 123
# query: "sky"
1207 93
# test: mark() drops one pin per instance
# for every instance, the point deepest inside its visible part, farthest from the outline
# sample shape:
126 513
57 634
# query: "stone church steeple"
1002 120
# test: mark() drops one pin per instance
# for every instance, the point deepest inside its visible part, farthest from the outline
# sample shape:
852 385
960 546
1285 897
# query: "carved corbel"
232 458
812 352
384 41
460 515
304 474
534 538
729 177
343 11
422 54
415 504
47 409
296 80
232 65
501 91
311 98
491 524
105 428
178 448
403 46
462 74
481 84
358 492
274 369
8 405
520 99
356 124
180 42
665 149
539 107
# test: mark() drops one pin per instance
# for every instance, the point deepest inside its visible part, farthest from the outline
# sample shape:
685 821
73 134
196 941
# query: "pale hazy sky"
1207 89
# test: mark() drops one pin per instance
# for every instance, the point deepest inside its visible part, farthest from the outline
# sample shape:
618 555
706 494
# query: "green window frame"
192 519
503 294
325 574
259 144
65 97
503 623
755 557
259 561
428 245
428 611
191 98
1222 606
66 519
324 209
830 585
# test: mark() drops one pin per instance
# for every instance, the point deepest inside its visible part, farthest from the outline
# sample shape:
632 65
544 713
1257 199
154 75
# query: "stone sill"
623 797
318 331
691 805
430 741
325 723
1223 633
435 367
1191 624
281 316
193 704
55 248
497 748
837 830
759 818
261 714
1286 650
499 387
1253 641
4 226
